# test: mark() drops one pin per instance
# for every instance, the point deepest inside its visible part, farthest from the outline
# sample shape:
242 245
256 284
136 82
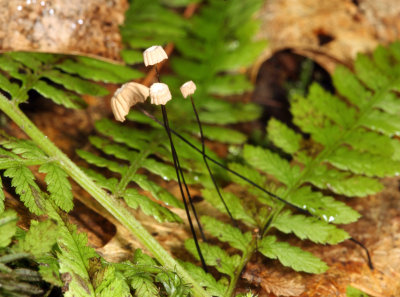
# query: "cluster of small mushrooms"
132 93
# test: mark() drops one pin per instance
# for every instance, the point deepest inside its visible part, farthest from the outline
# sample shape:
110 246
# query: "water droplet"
28 2
165 178
196 178
19 7
51 11
73 26
331 219
80 22
43 3
325 217
304 206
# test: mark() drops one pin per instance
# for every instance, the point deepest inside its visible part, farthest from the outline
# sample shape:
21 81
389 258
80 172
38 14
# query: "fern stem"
112 205
203 150
243 262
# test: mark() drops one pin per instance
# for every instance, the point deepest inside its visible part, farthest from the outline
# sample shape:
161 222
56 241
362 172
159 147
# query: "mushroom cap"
159 94
125 97
188 88
154 55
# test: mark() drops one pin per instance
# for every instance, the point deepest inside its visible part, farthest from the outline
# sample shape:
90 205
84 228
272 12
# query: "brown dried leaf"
278 283
329 32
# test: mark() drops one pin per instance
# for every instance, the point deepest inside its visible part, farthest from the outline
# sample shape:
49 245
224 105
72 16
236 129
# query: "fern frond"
144 286
310 228
291 256
23 180
215 256
46 231
57 77
232 201
351 144
74 255
215 288
2 196
58 185
283 137
227 233
8 227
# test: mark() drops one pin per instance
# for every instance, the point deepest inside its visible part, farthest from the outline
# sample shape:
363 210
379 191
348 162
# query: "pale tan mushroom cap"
159 94
154 55
188 88
125 97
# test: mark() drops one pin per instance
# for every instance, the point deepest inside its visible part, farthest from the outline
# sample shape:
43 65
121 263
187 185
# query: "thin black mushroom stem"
188 89
179 174
369 259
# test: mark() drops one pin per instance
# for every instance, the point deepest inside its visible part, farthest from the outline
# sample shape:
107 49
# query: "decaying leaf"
278 283
329 32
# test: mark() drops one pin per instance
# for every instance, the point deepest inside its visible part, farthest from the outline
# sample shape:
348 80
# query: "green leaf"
233 203
99 71
283 137
8 86
108 283
389 103
342 182
369 74
227 233
133 138
118 287
237 113
75 84
247 172
8 227
353 292
375 143
215 256
229 85
271 163
26 148
132 56
26 59
149 207
49 269
103 182
325 207
204 279
387 124
40 238
349 86
58 185
331 106
73 255
173 284
102 162
291 256
2 197
23 181
58 96
309 228
363 163
144 286
220 134
157 191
